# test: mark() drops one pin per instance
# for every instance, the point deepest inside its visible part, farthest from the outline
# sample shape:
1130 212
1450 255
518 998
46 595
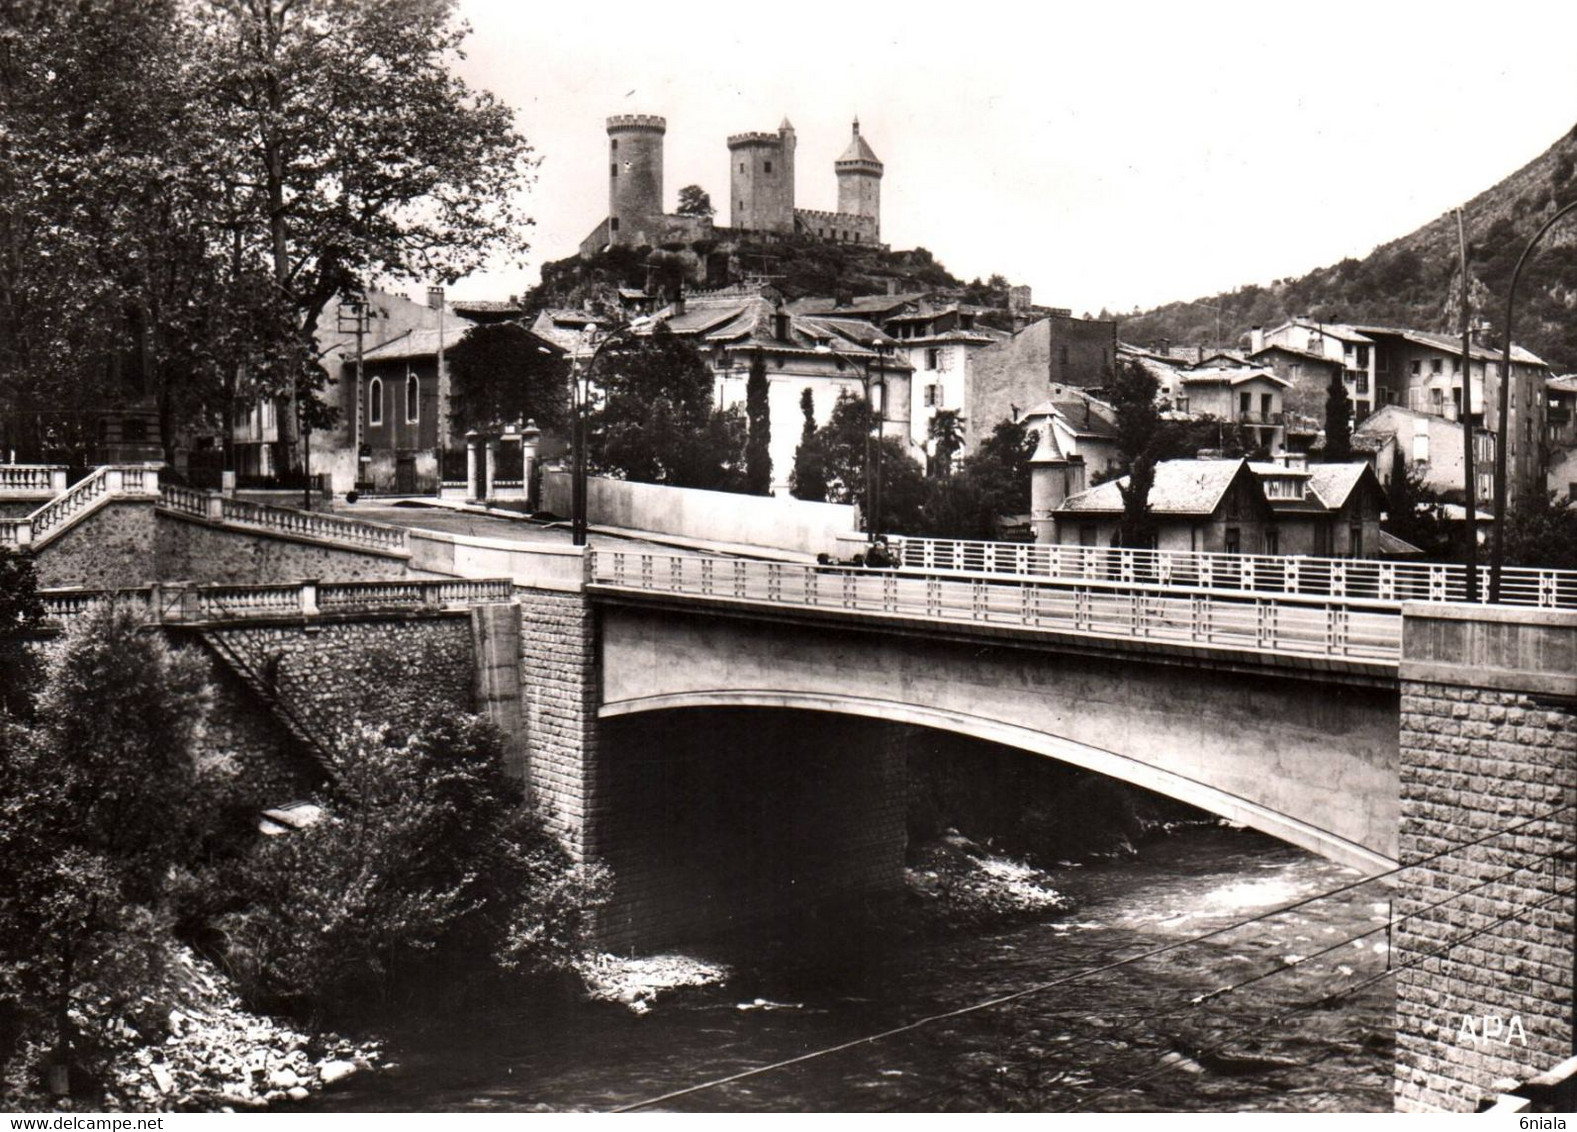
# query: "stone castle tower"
761 179
635 173
761 190
860 180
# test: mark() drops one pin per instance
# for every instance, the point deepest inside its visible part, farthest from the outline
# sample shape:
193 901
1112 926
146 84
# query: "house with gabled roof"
829 355
1240 507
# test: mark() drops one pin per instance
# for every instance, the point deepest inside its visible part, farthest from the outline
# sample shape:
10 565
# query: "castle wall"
843 227
860 193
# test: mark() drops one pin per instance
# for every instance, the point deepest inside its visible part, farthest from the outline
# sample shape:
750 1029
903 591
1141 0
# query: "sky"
1114 155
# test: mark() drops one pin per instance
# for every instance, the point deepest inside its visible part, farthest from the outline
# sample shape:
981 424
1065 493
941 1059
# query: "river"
1127 1038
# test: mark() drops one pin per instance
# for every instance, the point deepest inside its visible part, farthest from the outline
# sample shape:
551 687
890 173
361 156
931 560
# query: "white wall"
775 522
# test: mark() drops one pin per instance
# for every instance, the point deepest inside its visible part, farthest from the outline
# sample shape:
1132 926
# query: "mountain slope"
1413 281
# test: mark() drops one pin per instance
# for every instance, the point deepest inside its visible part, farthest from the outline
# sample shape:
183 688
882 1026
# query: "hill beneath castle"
796 266
1413 281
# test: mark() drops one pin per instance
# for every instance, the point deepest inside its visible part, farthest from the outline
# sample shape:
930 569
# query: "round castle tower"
860 180
761 180
635 172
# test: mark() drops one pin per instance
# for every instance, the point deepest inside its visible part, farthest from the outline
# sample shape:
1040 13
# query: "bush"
104 800
427 869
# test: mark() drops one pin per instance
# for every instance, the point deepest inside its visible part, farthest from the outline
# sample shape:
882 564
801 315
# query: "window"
615 145
1234 541
1456 367
1272 541
413 399
613 224
1264 405
741 166
1355 541
1436 365
1295 370
1437 399
931 396
768 167
375 401
613 170
1245 403
933 358
1417 368
1363 357
1421 448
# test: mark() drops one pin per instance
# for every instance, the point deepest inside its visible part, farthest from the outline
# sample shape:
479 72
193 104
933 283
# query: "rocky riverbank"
215 1056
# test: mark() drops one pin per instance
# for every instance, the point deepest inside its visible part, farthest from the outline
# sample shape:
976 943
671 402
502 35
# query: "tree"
1541 530
946 433
1139 438
21 611
758 414
695 201
427 863
1412 511
355 151
500 375
1338 421
1000 470
656 424
809 478
105 800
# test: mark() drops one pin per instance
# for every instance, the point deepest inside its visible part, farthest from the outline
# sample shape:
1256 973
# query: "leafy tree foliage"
999 470
1541 530
1140 435
1412 510
499 375
104 800
695 201
20 613
428 862
188 183
758 415
1338 421
656 424
809 479
946 433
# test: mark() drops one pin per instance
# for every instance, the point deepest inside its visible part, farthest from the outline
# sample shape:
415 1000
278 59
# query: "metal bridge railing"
1283 624
1365 578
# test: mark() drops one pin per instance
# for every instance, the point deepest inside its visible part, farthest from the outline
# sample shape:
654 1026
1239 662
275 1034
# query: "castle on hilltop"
761 190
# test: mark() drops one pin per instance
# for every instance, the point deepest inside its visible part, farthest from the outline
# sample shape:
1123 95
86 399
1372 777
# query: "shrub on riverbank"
103 801
425 869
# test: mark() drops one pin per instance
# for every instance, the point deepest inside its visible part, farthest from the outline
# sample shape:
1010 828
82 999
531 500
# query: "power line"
1335 996
1040 988
1285 966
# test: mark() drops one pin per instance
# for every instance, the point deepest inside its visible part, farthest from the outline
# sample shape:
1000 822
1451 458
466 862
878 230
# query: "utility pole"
1468 434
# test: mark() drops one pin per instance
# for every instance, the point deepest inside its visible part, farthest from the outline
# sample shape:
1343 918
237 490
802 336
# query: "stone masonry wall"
113 548
559 694
194 551
385 670
1484 933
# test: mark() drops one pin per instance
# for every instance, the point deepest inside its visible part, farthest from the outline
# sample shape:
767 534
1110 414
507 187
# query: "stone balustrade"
182 604
32 479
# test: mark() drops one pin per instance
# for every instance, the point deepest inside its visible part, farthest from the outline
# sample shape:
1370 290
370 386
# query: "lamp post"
879 405
580 387
1503 431
872 467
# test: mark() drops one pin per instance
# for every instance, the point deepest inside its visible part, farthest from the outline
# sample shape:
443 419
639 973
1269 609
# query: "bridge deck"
1270 625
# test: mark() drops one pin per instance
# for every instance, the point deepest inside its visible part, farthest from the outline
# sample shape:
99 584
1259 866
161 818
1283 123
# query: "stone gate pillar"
1483 939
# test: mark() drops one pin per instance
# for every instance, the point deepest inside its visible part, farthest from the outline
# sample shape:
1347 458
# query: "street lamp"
1503 431
580 388
875 388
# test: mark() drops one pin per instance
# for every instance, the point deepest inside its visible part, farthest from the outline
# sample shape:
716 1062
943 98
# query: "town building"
1560 422
1007 377
828 355
1428 443
1239 507
1248 394
761 167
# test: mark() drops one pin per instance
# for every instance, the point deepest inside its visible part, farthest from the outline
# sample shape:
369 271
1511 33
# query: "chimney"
1199 357
780 323
1256 339
678 304
892 286
844 298
435 298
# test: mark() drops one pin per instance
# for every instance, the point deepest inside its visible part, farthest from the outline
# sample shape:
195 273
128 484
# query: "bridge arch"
1112 764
